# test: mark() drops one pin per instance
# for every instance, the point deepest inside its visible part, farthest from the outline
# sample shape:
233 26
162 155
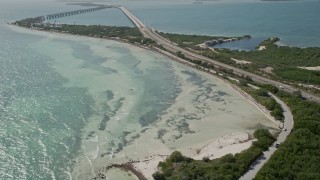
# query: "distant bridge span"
70 13
75 12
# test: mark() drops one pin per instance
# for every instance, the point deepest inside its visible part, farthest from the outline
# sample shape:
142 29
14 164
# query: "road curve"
288 118
288 125
149 33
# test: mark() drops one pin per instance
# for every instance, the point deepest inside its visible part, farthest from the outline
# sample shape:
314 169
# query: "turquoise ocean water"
48 95
295 22
42 115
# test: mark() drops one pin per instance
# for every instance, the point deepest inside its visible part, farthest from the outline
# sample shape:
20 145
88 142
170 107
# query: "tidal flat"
141 103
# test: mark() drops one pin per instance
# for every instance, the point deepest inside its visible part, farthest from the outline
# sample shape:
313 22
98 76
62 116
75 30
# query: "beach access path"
287 127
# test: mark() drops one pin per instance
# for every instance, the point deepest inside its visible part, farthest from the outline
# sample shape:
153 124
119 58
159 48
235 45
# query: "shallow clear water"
39 117
68 103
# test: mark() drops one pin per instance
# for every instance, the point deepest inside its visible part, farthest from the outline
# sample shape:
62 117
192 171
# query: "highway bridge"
169 46
71 13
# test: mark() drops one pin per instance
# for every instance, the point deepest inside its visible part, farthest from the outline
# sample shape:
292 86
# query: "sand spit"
229 144
232 143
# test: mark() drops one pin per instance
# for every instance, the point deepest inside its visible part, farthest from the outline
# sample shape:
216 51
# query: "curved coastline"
177 59
232 86
130 166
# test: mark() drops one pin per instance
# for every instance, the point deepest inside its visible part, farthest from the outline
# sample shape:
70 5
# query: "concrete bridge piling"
71 13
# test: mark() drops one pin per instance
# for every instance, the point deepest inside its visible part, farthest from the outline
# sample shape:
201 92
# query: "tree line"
179 167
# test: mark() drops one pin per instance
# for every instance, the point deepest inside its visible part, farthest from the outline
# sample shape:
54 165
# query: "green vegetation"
299 156
270 42
98 31
187 40
130 34
285 61
29 21
229 166
261 95
184 40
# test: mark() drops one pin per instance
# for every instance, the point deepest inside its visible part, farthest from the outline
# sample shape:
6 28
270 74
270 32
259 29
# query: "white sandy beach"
191 146
207 118
229 144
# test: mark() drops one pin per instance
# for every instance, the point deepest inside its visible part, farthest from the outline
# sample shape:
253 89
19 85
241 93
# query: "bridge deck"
70 13
134 19
149 33
75 12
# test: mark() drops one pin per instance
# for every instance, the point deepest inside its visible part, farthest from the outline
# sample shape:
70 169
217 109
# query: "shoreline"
117 39
228 144
125 166
182 61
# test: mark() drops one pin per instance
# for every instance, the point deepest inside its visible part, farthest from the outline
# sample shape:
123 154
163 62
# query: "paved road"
288 120
288 125
149 33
